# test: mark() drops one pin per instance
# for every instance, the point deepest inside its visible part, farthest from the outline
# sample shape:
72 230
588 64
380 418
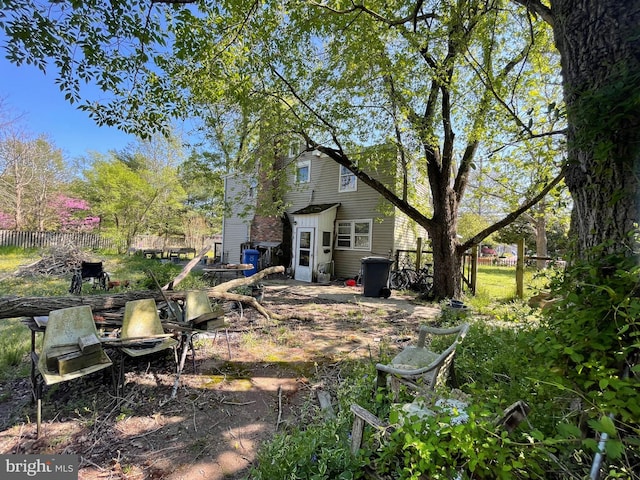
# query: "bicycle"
420 281
402 279
424 282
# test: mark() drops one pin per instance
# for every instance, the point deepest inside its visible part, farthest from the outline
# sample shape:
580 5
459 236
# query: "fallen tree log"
221 291
14 307
187 268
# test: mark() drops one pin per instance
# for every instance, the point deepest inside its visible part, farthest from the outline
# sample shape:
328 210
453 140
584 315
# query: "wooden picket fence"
24 239
30 239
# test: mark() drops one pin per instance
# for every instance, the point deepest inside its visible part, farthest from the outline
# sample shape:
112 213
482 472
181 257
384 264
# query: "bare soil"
225 407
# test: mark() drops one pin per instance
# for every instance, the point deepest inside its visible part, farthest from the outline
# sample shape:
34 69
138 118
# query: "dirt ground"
226 406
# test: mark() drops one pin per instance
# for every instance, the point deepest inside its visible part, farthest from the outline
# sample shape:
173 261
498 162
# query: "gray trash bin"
375 276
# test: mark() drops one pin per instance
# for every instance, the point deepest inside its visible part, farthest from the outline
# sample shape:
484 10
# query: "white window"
354 234
348 181
303 171
295 147
253 188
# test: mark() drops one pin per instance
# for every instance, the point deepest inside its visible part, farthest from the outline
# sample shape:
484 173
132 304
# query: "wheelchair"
94 272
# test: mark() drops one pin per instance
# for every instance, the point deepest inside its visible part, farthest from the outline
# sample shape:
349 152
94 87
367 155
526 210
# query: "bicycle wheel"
410 278
396 280
425 287
76 284
103 281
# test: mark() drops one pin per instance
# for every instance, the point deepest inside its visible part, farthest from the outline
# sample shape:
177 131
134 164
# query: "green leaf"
568 430
614 448
604 425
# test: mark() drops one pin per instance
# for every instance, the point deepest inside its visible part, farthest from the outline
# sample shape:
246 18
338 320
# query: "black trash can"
252 257
375 276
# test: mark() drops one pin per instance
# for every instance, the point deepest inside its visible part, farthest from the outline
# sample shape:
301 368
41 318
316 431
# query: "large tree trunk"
447 257
600 49
447 271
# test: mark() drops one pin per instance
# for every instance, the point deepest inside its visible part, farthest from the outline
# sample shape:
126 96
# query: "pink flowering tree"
7 222
71 214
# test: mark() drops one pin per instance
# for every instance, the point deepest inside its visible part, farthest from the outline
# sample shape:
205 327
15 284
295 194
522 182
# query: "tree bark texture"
13 307
447 256
599 43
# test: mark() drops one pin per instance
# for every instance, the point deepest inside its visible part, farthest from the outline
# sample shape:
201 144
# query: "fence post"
418 254
474 269
520 270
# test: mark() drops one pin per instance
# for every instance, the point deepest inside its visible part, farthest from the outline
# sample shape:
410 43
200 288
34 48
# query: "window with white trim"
295 147
354 234
303 171
348 180
253 188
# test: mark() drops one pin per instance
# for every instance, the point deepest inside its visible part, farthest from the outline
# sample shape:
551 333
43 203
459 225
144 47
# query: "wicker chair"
419 367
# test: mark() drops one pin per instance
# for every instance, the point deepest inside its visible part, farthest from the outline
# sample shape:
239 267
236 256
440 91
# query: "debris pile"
56 261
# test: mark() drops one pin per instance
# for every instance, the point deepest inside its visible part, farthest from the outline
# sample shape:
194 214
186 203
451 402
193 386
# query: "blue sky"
26 90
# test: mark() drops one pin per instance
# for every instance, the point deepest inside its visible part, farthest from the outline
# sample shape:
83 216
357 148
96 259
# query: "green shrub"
319 448
591 338
493 368
14 348
435 447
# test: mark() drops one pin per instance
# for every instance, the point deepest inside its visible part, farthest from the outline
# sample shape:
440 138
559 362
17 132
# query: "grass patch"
496 292
15 344
499 283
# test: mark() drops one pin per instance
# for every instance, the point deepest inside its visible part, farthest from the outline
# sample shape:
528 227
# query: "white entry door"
304 254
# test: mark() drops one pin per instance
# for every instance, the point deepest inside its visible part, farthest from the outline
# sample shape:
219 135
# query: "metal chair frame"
92 271
418 367
141 320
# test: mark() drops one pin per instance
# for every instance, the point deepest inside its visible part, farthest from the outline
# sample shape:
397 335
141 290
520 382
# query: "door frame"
304 273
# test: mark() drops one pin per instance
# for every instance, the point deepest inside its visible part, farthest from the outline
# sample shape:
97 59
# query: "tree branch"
13 307
413 17
511 216
342 159
537 8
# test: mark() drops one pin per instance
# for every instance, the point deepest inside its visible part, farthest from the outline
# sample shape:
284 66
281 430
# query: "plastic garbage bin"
375 276
250 256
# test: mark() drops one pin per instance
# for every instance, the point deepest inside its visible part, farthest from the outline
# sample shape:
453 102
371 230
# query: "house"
331 221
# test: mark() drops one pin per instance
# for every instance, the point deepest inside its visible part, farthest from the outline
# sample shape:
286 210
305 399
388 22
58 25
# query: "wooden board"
77 360
89 343
206 317
53 353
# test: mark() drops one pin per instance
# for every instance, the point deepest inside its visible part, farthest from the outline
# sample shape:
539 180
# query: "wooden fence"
143 242
23 239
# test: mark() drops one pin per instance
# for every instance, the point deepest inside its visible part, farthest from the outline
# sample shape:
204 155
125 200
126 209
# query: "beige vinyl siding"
407 232
236 225
361 204
348 262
